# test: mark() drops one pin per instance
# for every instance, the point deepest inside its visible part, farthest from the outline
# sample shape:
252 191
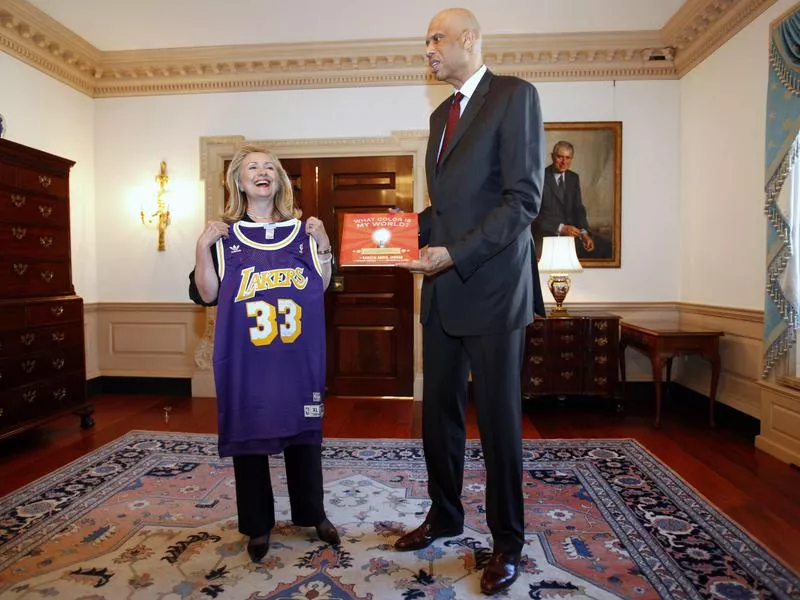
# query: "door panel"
370 315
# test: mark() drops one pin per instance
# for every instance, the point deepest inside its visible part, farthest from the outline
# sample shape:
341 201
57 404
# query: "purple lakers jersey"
269 342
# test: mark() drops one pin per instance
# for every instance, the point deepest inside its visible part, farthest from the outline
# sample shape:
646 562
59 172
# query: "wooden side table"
663 340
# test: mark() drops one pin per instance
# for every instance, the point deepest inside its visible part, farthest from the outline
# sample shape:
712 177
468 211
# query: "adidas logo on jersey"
235 248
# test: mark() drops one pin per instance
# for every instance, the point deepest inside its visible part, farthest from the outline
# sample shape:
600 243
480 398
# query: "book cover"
378 239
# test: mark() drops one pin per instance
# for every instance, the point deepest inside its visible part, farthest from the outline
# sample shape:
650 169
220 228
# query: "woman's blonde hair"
284 192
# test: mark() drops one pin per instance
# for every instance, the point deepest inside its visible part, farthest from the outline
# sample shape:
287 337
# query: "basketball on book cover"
378 239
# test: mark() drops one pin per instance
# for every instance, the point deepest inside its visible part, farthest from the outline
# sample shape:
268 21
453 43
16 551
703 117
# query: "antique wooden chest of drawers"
42 364
575 354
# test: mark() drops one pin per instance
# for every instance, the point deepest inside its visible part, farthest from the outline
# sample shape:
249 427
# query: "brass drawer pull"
46 241
537 360
29 396
20 269
57 310
567 338
19 232
27 338
1 412
17 200
601 341
601 380
601 359
58 364
45 181
567 375
60 394
567 355
28 366
58 336
46 211
47 276
601 325
537 381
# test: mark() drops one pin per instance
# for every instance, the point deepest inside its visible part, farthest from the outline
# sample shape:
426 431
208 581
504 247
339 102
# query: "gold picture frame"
597 160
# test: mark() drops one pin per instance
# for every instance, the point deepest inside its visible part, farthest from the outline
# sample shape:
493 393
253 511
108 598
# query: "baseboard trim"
161 386
727 417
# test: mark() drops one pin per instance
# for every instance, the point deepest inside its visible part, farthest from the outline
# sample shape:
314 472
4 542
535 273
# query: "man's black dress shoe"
500 573
257 548
423 536
326 531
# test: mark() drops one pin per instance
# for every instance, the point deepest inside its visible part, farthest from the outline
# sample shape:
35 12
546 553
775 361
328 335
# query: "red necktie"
452 121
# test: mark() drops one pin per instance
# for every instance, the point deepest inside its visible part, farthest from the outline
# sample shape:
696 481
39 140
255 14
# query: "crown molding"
695 31
40 41
701 26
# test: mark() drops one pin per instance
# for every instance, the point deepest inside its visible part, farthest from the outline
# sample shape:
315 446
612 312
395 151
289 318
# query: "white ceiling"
141 24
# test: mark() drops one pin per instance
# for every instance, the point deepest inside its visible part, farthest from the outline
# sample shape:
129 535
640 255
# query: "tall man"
484 169
562 211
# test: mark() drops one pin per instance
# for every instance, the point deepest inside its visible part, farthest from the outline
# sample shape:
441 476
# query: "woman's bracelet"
328 251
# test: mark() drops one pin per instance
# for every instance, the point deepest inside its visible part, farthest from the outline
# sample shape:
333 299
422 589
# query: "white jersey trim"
237 231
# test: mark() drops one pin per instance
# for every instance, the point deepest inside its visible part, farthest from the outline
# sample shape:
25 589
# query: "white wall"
134 134
650 176
723 227
50 116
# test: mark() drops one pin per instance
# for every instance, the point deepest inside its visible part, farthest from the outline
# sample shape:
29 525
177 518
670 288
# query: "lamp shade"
558 255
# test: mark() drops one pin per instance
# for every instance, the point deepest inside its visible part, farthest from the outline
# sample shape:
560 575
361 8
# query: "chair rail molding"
693 33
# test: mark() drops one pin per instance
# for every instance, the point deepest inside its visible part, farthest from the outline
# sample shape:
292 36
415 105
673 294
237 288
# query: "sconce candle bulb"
161 215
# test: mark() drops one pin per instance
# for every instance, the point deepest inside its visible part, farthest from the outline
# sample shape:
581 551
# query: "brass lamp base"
559 286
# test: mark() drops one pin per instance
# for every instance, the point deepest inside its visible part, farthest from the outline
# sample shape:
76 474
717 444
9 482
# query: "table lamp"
559 259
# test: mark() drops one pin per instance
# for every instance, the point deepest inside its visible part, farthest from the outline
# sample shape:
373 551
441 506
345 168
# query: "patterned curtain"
781 317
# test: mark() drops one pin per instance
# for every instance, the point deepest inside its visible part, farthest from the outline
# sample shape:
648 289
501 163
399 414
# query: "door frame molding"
215 150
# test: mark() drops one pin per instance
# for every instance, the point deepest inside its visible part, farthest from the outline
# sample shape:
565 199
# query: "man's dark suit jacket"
484 193
558 207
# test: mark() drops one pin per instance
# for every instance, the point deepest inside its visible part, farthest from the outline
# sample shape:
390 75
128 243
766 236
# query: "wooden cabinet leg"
87 422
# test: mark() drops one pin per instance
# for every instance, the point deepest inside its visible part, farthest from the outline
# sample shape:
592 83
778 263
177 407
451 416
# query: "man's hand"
432 260
588 242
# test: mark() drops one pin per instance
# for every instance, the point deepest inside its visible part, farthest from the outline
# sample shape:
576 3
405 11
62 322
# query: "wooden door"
369 310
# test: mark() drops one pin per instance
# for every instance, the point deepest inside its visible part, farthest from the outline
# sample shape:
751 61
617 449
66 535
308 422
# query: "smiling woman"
266 272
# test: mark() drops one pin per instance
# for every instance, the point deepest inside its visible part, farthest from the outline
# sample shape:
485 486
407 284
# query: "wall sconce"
160 217
559 258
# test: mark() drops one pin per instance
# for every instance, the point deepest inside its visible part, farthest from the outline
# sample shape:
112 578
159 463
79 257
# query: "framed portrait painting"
582 189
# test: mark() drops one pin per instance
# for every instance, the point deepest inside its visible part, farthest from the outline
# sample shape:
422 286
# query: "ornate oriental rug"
152 515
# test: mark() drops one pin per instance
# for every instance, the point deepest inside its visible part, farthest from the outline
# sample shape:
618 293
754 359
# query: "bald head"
460 18
453 46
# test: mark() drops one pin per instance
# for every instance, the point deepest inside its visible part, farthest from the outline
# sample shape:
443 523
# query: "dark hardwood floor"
758 492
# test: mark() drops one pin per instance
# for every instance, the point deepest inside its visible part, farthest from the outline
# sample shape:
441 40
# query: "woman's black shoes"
327 533
257 548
